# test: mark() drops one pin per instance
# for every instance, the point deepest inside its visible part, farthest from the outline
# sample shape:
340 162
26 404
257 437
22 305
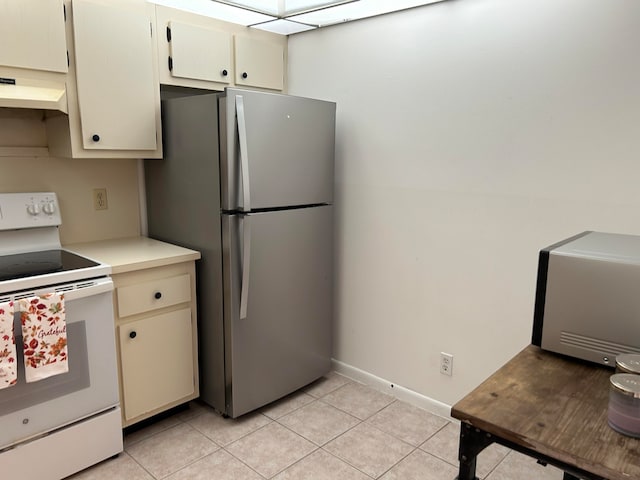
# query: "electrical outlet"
100 199
446 363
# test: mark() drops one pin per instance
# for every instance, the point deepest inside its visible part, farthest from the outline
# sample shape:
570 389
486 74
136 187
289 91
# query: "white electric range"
57 426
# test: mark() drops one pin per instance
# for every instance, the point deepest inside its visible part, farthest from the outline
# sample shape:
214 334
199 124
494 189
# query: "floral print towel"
44 334
8 373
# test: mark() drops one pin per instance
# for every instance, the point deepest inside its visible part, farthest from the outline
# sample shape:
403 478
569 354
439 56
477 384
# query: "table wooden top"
555 406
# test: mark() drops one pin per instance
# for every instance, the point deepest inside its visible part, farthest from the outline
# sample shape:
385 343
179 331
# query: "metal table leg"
472 442
568 476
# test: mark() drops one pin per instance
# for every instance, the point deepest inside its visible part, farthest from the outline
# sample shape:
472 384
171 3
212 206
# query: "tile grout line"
317 447
276 420
360 422
497 465
321 447
243 462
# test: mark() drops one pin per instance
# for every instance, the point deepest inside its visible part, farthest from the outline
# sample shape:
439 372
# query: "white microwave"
587 302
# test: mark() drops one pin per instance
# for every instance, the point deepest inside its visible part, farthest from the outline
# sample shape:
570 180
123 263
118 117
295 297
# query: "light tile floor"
335 429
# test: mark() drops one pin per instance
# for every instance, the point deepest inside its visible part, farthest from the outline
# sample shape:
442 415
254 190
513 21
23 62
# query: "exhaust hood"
34 93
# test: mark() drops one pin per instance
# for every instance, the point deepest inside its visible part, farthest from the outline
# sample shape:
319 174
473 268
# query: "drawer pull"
158 295
133 334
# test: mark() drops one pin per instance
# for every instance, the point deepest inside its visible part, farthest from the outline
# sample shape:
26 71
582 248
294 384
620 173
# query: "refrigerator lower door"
284 342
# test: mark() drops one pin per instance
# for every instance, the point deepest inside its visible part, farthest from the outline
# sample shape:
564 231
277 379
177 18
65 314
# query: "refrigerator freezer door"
284 342
289 150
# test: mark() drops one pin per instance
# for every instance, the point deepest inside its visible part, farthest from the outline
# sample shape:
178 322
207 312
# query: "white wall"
470 134
73 180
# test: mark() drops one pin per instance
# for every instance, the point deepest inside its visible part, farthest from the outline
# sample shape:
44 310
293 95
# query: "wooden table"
551 408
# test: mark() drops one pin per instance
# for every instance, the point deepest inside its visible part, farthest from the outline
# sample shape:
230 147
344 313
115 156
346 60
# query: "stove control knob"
33 209
49 208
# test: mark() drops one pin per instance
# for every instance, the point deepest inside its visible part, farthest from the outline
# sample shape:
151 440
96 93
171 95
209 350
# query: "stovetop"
30 264
50 268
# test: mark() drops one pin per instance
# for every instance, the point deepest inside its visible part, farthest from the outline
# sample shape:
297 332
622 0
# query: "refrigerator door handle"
246 265
244 159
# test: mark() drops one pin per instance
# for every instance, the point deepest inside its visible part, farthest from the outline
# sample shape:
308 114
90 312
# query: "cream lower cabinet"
157 339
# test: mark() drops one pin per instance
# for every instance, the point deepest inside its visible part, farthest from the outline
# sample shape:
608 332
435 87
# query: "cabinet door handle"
95 137
224 72
133 334
245 74
158 295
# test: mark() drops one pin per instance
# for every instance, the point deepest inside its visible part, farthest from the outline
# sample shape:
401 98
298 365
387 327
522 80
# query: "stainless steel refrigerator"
247 179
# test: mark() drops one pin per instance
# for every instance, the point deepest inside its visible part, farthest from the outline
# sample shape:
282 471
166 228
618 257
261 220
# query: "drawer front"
147 296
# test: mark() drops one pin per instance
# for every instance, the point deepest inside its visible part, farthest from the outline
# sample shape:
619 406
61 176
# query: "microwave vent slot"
595 345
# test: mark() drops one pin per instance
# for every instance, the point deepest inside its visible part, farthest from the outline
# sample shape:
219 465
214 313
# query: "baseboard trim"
401 393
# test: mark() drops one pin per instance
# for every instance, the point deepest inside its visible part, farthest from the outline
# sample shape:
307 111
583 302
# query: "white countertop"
134 253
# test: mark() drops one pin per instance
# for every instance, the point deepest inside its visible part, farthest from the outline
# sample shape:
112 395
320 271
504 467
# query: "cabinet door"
114 68
199 53
259 63
33 35
157 361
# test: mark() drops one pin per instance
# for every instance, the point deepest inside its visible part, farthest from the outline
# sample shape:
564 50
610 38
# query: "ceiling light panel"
284 27
356 11
217 10
283 8
314 13
269 7
298 6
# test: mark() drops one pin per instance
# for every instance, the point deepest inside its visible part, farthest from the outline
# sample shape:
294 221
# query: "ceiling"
287 17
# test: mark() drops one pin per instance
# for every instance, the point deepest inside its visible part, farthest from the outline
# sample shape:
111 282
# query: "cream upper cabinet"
199 53
259 63
33 35
193 50
113 90
114 75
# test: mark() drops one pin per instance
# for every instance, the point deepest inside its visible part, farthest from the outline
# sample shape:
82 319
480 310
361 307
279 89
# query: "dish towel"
8 372
44 334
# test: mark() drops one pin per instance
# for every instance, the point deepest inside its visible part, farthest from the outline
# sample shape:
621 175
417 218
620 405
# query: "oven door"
90 386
